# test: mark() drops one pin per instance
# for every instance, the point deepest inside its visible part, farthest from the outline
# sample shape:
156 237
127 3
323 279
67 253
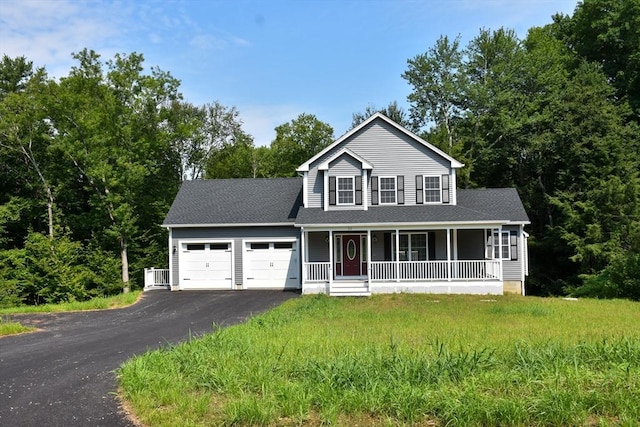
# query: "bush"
620 279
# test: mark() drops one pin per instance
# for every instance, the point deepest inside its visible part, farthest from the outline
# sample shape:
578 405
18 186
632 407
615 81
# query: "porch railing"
317 271
155 278
411 271
382 271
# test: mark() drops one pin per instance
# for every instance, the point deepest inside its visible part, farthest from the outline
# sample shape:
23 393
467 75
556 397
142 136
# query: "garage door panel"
206 266
271 265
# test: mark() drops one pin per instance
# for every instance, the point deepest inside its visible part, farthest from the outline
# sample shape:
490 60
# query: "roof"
499 205
278 201
378 116
218 202
363 163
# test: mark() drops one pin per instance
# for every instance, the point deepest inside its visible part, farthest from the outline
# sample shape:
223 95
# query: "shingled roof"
236 201
484 205
278 201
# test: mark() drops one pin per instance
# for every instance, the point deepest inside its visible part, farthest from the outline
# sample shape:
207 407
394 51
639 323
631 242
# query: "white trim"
395 189
305 189
240 224
453 162
303 257
363 163
403 226
365 190
171 258
453 186
325 191
353 190
424 189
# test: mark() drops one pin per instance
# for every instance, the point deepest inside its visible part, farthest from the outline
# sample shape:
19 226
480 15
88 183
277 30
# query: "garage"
206 265
271 265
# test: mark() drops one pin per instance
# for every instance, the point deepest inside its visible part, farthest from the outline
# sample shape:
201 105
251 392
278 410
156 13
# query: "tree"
607 32
438 86
24 131
298 141
107 124
236 159
392 111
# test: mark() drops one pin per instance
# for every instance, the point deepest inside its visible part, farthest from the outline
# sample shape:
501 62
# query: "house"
377 211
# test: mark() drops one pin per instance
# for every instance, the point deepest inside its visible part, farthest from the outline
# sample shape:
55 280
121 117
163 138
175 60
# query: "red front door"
351 255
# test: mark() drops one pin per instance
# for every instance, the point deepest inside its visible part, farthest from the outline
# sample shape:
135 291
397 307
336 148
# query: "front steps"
350 288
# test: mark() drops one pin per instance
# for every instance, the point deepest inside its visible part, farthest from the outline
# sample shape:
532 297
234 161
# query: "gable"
392 128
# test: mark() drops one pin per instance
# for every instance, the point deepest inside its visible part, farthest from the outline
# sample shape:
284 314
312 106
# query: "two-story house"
376 211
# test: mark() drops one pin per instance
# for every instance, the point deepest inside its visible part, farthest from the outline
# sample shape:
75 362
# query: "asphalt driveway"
64 374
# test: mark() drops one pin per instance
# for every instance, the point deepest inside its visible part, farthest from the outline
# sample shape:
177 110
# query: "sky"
274 59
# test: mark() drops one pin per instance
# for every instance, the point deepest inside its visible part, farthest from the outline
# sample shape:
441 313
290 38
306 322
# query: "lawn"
401 360
8 326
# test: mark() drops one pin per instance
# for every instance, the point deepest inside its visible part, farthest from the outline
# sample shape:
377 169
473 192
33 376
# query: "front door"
351 255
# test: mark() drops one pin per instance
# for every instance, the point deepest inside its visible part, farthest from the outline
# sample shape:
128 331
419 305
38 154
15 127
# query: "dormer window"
387 188
346 190
432 189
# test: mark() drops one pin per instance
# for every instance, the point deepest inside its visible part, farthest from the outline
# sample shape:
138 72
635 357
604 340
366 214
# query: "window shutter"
431 243
400 189
513 242
358 183
445 188
374 190
419 192
332 190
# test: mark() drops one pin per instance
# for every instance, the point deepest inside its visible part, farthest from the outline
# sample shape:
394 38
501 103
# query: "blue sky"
272 60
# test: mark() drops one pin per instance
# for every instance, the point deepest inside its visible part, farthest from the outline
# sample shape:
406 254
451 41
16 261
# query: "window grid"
432 189
345 191
413 247
387 190
506 247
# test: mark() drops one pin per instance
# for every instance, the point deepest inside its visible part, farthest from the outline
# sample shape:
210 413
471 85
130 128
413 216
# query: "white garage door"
271 265
206 266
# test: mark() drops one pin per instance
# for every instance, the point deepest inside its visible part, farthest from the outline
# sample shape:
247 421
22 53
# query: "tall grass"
402 359
9 327
98 303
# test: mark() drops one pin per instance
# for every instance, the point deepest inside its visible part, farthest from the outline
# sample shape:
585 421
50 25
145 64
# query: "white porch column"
305 189
331 263
456 270
303 255
397 255
449 254
369 255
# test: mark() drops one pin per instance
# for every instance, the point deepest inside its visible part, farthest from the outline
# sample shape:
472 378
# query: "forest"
91 162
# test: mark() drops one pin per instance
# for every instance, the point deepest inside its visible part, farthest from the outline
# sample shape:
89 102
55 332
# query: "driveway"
64 374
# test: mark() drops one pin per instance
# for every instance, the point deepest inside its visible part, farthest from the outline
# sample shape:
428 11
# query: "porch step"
350 289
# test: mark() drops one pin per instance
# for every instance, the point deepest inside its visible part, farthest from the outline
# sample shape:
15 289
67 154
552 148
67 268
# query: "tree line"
91 162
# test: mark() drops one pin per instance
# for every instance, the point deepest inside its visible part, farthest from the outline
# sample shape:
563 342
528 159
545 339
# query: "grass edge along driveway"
401 360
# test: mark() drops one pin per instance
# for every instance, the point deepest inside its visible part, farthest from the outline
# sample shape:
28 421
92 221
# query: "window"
195 247
283 245
259 246
345 190
432 189
387 190
413 247
501 241
219 246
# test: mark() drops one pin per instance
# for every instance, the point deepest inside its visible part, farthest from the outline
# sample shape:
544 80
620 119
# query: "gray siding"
512 270
345 165
236 234
391 153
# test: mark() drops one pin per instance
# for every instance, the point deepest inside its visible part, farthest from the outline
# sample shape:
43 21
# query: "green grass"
10 327
401 360
99 303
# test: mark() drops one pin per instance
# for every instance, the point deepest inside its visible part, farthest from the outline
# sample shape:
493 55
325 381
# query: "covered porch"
361 261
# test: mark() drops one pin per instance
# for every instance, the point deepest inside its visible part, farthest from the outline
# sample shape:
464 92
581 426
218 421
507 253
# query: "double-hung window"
499 245
432 189
346 190
388 189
